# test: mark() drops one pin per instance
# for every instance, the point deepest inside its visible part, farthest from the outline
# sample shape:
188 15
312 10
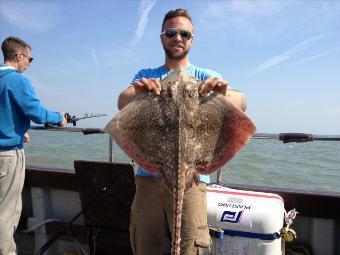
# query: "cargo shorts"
12 176
151 216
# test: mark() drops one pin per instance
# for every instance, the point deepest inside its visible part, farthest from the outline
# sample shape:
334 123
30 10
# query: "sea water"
263 162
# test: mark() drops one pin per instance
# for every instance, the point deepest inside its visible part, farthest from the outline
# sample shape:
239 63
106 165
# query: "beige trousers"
151 216
12 175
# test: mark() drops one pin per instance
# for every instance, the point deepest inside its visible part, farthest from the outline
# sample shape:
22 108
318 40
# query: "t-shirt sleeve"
210 73
144 73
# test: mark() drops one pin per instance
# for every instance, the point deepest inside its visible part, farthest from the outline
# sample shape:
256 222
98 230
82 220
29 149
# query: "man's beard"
177 56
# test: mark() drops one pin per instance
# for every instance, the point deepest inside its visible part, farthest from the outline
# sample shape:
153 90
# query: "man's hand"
145 85
138 88
213 84
27 138
64 121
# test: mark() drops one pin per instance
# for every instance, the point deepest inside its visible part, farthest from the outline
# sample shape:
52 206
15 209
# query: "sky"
284 55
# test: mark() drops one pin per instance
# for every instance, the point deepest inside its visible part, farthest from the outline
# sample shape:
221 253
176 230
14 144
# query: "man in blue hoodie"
18 106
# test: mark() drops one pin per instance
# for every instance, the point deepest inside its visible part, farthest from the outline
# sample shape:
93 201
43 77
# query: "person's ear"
18 57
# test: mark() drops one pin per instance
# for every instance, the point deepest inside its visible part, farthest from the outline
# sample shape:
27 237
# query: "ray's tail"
178 196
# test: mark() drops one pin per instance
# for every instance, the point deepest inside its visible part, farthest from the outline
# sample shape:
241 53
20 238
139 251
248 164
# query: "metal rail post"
110 148
219 176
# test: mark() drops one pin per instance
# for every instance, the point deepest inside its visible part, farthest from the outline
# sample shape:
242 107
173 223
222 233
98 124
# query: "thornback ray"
180 134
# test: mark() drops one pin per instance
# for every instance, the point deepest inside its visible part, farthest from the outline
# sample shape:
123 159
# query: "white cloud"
271 62
95 61
145 7
287 54
34 16
256 8
239 14
262 22
315 56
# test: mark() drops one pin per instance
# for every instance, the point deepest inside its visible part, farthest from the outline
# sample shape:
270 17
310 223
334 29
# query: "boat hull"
60 195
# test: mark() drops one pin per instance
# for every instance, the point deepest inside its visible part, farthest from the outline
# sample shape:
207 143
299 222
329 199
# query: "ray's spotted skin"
180 134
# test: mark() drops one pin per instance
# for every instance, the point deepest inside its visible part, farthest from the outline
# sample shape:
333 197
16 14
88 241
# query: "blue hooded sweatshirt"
18 106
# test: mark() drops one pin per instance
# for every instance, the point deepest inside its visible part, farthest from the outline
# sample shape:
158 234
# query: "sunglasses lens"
185 34
170 33
30 60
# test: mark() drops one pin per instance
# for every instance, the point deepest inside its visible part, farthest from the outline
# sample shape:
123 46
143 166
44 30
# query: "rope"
39 224
290 216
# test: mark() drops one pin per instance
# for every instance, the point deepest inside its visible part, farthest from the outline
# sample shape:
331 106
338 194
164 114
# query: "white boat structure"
86 210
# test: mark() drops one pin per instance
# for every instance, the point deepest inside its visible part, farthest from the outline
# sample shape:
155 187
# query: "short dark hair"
11 45
176 13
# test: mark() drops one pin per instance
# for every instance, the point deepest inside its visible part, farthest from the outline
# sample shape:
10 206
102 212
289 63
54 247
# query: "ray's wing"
139 130
222 130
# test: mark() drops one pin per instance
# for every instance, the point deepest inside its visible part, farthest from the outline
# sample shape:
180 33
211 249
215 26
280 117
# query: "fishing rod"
73 119
297 137
85 131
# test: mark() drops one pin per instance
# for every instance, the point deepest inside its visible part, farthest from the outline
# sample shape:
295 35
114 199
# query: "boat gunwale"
319 204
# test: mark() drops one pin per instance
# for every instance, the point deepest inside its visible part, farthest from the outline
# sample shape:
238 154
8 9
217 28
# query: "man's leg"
12 175
147 227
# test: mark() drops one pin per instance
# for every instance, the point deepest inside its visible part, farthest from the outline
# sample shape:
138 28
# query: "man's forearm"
126 97
237 98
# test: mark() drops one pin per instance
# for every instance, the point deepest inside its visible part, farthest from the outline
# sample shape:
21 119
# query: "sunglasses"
172 32
29 59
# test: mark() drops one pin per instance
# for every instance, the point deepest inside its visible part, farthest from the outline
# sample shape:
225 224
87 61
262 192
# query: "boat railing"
284 137
85 131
